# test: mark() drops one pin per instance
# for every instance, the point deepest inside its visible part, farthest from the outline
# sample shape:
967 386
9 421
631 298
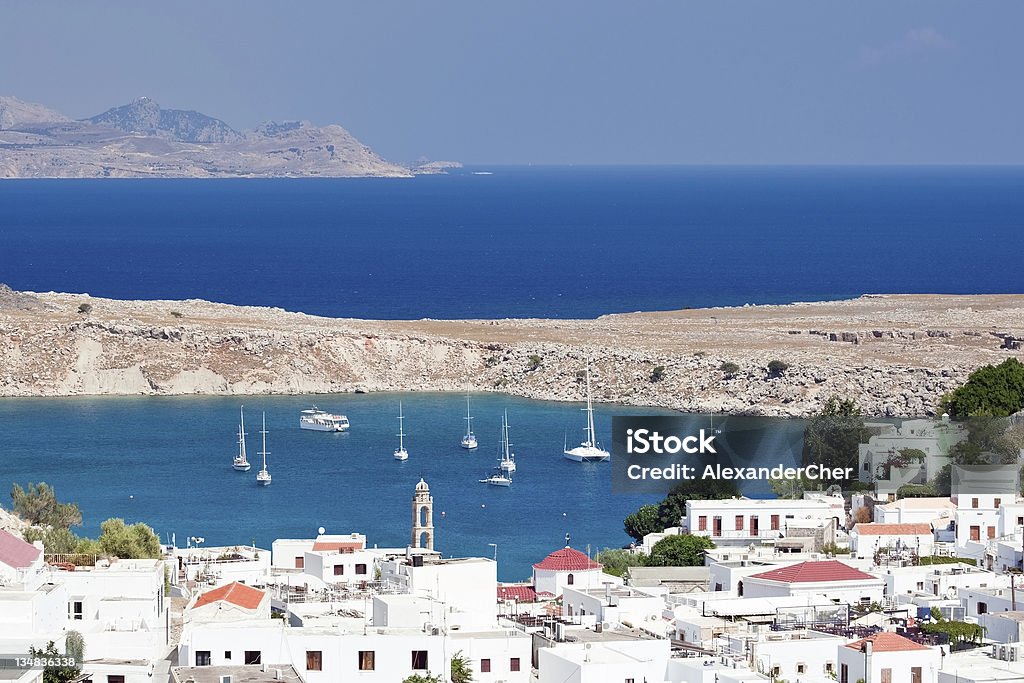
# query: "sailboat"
589 450
469 440
502 476
241 463
400 452
263 476
508 458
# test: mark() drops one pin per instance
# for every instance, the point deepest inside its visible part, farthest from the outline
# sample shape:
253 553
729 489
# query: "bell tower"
423 517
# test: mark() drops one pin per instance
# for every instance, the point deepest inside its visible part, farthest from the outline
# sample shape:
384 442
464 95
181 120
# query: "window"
828 667
360 569
776 671
227 655
1020 521
739 589
115 678
702 523
739 522
998 502
920 585
513 664
76 610
886 675
202 658
300 562
775 522
366 660
485 666
419 660
755 526
253 657
630 680
975 533
716 526
915 674
570 579
982 608
844 673
339 570
801 668
974 502
991 532
314 660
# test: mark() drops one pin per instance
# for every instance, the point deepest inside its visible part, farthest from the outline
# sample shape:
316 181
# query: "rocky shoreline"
894 354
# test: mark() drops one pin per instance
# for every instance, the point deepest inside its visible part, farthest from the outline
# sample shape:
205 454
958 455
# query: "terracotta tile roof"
887 641
567 559
878 529
520 593
813 572
236 593
15 552
337 546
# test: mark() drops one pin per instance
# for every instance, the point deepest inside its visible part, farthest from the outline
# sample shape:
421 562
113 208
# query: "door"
975 533
753 525
716 527
915 674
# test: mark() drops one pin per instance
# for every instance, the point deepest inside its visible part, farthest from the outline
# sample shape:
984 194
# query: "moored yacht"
322 421
241 463
469 440
263 476
400 452
590 450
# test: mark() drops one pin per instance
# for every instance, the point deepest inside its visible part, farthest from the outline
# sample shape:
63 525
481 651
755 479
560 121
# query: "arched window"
569 580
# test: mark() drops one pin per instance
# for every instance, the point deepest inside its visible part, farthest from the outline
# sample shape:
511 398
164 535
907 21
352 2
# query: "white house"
467 586
886 657
568 567
600 662
915 511
867 539
20 562
614 604
232 602
742 521
840 582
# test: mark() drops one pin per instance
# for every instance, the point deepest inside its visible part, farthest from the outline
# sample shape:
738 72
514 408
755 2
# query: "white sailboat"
241 463
508 458
589 450
502 476
469 440
263 476
400 452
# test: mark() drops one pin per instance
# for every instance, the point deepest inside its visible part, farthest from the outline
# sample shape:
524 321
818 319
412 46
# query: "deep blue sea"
557 242
167 461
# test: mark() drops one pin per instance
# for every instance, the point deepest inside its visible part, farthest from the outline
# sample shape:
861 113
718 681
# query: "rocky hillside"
895 355
141 139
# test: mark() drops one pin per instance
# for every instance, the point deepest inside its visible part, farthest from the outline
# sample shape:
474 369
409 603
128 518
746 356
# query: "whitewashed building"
888 657
742 521
568 568
867 539
832 578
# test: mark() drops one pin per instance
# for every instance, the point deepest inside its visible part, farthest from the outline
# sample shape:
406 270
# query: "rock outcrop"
895 355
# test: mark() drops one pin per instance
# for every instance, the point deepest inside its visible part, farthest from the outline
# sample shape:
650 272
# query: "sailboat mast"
504 424
469 418
264 433
401 431
241 433
590 412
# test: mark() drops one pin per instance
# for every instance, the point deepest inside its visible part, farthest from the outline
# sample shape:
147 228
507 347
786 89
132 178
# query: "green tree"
833 437
673 508
38 505
777 368
729 369
642 522
422 678
534 362
55 674
616 560
130 542
684 550
74 646
462 672
993 390
658 373
55 540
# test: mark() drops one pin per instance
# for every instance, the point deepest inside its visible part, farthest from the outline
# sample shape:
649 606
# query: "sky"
555 81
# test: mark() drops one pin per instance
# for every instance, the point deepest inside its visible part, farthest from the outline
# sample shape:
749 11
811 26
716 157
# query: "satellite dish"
321 531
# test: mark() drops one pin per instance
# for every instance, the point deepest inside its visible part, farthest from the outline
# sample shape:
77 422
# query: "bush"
617 560
534 362
685 550
85 309
942 559
658 373
994 390
729 369
777 368
176 314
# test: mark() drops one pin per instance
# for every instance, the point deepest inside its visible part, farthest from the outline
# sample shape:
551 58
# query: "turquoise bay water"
167 461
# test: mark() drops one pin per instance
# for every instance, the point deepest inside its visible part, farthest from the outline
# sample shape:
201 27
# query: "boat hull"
469 444
504 483
322 427
242 467
586 454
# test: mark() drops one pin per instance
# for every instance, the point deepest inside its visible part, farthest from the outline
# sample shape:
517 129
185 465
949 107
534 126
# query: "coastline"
894 354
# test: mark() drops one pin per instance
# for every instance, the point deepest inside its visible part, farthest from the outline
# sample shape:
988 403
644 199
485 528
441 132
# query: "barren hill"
895 354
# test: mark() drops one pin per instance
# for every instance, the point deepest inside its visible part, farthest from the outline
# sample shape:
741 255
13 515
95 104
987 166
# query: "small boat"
498 479
590 450
400 452
508 458
469 440
322 421
241 463
263 476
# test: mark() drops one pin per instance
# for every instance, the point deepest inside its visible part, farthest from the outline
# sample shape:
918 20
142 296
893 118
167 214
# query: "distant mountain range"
140 139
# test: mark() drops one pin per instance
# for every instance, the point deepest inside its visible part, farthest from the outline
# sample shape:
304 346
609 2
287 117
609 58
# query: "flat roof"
252 673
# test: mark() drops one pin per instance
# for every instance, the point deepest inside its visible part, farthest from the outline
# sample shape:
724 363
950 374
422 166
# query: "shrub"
658 373
176 314
534 362
729 369
85 309
777 368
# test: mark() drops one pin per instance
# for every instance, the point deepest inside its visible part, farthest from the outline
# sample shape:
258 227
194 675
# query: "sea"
483 242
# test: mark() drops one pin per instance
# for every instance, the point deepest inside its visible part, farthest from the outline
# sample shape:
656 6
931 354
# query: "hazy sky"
556 81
